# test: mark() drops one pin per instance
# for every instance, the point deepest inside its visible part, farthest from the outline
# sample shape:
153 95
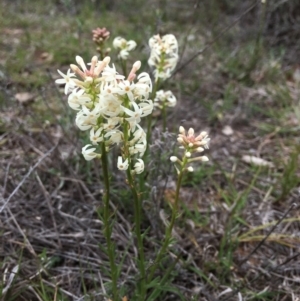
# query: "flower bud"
137 65
173 158
191 132
188 154
81 63
204 159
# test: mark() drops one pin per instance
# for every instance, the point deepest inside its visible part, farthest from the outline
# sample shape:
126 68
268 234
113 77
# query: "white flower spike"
67 80
108 104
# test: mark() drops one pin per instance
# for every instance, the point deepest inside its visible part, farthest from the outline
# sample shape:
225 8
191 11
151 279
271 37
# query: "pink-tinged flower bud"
81 63
94 61
77 71
101 66
137 65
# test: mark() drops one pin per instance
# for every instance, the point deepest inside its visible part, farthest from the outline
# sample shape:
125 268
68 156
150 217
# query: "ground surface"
239 230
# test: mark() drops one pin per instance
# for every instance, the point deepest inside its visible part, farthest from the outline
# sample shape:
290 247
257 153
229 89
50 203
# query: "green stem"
107 224
149 131
164 113
124 67
169 229
149 124
137 220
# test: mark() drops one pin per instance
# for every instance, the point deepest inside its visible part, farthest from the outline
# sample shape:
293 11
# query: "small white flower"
89 154
134 116
125 87
138 143
67 80
139 166
122 165
164 98
85 119
76 99
112 123
138 135
110 74
144 78
115 137
124 46
147 107
111 107
96 137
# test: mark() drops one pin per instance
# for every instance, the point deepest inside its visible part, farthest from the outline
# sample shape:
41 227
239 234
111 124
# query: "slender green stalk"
149 120
137 220
107 224
169 229
164 114
148 138
124 67
101 54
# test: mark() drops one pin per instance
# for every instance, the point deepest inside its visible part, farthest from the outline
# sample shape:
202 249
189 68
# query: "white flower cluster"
164 99
124 47
110 107
163 56
191 144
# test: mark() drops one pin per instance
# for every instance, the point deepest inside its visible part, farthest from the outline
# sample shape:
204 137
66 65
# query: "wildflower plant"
191 145
110 107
